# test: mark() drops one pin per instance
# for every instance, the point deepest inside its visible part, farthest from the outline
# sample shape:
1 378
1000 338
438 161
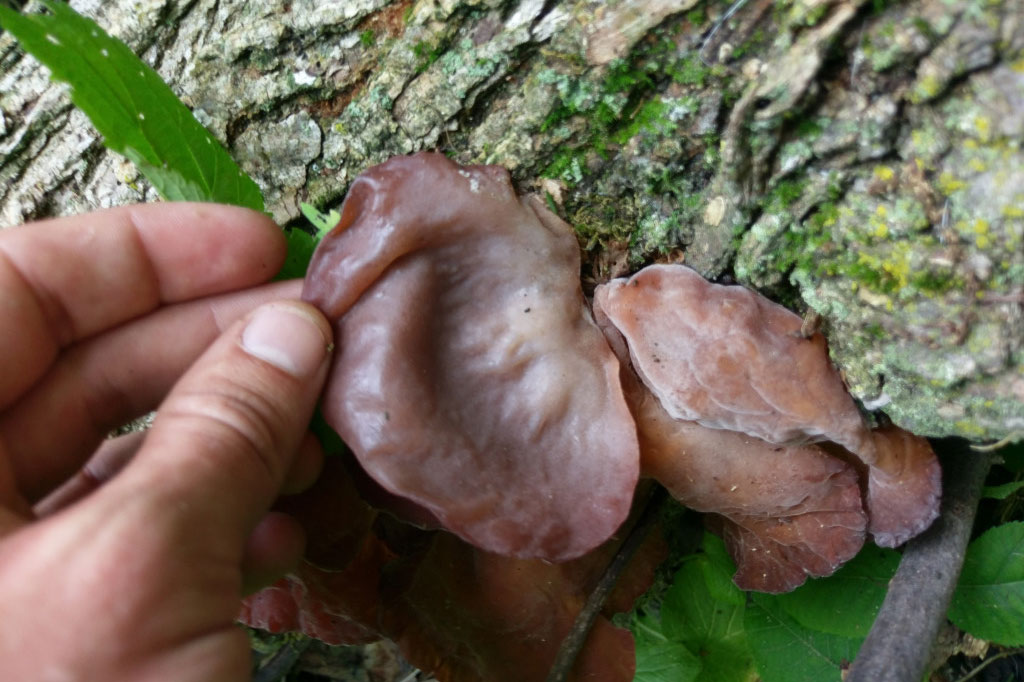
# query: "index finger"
66 279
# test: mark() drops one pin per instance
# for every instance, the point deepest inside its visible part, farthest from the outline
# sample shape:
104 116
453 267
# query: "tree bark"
858 159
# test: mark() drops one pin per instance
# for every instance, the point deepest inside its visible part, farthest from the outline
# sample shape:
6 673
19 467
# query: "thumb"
225 437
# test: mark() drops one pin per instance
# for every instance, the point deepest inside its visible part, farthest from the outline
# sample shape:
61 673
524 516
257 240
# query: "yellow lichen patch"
969 428
980 228
977 165
1011 211
983 126
884 173
948 183
927 87
879 227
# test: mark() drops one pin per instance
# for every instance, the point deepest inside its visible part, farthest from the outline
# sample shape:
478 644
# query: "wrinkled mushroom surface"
786 512
470 377
727 358
904 486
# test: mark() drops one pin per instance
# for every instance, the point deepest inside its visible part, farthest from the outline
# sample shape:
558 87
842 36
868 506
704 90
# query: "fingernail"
287 338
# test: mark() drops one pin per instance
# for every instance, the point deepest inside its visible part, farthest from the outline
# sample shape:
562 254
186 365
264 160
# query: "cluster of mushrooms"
481 395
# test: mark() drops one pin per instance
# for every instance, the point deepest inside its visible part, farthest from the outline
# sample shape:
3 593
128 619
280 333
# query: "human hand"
103 317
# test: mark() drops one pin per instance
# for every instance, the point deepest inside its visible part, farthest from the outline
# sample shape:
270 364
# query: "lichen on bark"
861 159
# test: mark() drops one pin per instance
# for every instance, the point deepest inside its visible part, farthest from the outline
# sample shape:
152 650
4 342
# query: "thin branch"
577 637
988 661
899 646
736 7
1000 444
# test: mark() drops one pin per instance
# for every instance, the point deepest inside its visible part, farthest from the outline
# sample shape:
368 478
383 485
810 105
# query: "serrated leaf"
1001 492
659 659
846 602
710 629
989 599
785 651
138 115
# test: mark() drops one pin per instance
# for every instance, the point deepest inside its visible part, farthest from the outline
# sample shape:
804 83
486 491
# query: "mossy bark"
859 159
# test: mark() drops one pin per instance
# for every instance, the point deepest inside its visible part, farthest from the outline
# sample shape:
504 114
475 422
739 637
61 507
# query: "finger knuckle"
242 423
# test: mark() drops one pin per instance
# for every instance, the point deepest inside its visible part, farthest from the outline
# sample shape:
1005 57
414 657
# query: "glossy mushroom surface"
470 377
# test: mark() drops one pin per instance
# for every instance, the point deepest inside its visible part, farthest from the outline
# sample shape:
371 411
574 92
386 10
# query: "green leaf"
785 651
710 629
989 599
718 568
659 659
1001 492
847 602
135 111
324 222
301 246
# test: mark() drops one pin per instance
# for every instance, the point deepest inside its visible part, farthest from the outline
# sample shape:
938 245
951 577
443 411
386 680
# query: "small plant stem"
899 645
577 637
988 661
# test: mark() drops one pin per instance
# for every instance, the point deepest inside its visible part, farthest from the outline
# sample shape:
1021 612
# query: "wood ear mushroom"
731 403
470 377
480 396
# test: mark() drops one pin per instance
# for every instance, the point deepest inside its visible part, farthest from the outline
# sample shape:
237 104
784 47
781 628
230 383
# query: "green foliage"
1001 492
700 625
302 244
659 659
808 635
323 222
989 600
135 111
861 583
786 651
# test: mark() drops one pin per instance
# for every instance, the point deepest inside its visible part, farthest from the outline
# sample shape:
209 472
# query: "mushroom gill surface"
470 377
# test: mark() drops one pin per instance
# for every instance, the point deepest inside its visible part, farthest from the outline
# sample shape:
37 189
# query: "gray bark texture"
859 159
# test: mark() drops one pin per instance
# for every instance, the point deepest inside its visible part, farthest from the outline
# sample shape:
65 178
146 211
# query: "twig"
1000 444
577 637
899 645
991 659
736 7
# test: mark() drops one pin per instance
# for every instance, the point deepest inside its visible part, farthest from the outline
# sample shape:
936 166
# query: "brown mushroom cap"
785 512
904 486
470 377
728 358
